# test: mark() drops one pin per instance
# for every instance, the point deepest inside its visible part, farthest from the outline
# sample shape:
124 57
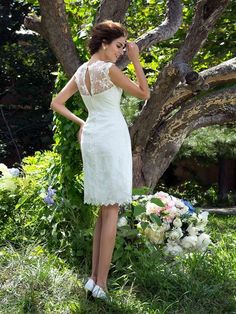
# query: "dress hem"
110 202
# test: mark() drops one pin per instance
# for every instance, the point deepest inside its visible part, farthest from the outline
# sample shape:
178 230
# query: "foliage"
12 15
145 15
210 143
27 71
28 217
71 160
130 107
199 277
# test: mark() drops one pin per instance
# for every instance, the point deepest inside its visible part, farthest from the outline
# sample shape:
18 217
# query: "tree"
182 99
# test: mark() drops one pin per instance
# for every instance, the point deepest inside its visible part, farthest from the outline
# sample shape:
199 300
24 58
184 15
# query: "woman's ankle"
94 278
102 285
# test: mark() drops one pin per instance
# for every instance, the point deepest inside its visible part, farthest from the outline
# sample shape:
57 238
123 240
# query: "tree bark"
112 10
224 73
54 28
227 174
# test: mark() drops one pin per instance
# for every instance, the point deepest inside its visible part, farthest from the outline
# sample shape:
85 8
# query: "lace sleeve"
99 75
80 80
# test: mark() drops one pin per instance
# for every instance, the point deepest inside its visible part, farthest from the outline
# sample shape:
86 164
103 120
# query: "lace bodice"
99 77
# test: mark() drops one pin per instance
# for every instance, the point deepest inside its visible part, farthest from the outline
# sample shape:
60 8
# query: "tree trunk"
227 178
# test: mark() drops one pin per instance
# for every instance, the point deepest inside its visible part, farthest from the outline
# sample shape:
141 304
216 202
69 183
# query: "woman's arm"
140 90
58 103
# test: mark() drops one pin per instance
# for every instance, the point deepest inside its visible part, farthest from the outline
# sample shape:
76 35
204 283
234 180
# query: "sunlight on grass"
34 281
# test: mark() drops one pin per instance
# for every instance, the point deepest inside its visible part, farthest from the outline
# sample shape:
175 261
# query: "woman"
104 137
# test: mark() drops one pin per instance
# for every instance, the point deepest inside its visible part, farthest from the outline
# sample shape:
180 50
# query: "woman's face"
115 49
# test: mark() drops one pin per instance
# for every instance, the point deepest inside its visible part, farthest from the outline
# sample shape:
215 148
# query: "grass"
33 281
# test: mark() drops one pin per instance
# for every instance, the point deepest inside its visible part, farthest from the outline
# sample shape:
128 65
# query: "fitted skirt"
107 163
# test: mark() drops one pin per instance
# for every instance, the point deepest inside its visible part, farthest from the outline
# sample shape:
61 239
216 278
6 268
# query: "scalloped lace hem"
108 202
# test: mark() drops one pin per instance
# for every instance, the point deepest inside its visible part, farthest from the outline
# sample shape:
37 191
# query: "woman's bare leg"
107 242
96 246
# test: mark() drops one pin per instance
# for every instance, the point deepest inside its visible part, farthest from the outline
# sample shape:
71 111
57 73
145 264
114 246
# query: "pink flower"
152 208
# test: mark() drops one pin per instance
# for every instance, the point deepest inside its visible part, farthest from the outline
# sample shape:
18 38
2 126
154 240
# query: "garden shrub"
29 217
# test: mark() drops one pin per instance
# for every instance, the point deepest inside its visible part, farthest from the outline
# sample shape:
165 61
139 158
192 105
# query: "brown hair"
105 32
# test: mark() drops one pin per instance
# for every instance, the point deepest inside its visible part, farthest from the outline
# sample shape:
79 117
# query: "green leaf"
144 224
158 202
138 210
156 219
118 254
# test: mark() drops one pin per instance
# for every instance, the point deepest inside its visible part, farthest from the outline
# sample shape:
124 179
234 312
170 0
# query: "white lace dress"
105 143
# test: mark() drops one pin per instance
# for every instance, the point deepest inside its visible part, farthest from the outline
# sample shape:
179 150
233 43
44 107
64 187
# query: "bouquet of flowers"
170 222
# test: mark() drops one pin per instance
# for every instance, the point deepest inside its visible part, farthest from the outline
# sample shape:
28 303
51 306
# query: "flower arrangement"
167 221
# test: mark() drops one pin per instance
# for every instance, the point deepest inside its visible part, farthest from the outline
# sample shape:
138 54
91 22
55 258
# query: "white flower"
179 203
147 197
193 218
166 226
177 222
14 172
173 248
202 220
163 195
192 230
122 222
5 171
200 226
203 241
203 217
189 242
183 210
175 234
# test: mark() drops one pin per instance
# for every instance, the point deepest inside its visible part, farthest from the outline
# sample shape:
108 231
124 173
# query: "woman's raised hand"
132 51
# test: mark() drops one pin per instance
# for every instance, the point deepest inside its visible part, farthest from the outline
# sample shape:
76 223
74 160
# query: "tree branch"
113 10
217 108
206 14
223 73
163 32
34 23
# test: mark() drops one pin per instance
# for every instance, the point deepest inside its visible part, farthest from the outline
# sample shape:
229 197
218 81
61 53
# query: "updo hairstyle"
105 32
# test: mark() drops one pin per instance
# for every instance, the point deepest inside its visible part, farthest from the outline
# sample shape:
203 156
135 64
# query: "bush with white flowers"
167 221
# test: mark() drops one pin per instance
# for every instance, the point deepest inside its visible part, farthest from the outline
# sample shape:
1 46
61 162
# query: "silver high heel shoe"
99 293
89 286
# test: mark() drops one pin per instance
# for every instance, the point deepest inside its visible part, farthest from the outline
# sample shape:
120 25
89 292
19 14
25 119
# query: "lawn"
34 281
